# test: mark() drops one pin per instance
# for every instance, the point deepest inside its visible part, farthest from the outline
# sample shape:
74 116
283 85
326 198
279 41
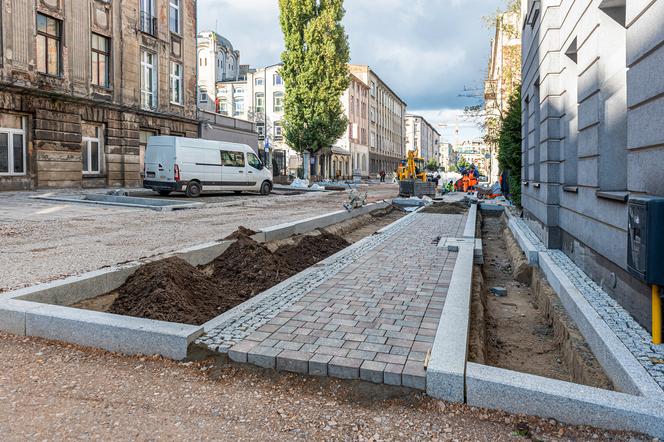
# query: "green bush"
509 146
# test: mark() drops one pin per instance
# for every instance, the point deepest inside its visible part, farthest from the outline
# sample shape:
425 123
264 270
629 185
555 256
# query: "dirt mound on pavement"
241 232
447 208
167 290
247 268
311 250
173 290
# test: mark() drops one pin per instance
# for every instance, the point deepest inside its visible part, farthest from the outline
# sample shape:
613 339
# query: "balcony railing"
148 23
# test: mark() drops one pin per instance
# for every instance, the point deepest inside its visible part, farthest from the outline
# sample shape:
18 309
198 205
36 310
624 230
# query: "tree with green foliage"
432 165
509 143
315 72
462 164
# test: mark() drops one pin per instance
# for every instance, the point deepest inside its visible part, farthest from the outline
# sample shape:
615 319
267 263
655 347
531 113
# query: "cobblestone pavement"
636 338
370 312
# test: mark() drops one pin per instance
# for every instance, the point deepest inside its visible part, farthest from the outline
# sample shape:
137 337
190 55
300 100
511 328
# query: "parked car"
195 166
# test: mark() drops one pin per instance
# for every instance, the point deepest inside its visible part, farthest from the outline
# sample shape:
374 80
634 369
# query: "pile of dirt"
311 249
241 232
456 208
173 290
245 269
167 290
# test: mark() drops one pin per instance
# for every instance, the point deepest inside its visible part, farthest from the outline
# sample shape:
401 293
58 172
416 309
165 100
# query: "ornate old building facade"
84 83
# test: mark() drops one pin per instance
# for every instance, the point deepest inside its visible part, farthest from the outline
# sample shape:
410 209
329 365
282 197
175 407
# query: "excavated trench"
173 290
527 329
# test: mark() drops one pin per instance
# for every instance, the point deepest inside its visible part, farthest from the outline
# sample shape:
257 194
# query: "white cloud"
427 50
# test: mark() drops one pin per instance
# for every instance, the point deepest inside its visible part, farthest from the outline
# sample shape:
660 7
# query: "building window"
259 82
372 114
373 89
49 37
278 131
176 83
223 106
148 80
278 102
260 102
12 145
174 16
148 21
239 90
91 149
260 129
202 95
238 106
100 56
277 80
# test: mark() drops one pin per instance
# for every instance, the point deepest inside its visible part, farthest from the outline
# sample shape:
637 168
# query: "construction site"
383 302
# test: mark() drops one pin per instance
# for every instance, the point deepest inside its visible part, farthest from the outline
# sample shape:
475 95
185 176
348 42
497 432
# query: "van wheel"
193 189
266 188
164 192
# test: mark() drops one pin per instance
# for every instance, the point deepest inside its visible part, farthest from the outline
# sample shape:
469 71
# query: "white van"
194 166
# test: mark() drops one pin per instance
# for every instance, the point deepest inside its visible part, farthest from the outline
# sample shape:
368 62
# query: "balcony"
148 24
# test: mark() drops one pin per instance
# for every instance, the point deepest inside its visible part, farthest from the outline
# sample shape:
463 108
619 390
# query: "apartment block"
422 137
353 147
83 83
217 62
593 103
387 126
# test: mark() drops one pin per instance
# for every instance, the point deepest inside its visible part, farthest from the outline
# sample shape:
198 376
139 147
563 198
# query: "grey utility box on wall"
645 236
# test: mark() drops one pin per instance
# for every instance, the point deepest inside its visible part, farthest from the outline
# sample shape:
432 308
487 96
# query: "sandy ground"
41 240
57 392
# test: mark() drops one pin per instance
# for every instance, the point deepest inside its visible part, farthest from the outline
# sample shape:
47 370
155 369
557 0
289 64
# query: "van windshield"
254 161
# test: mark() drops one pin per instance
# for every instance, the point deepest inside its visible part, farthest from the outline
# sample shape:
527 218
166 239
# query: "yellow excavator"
412 168
412 177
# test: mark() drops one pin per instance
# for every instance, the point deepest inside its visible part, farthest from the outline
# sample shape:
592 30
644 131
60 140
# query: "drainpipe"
656 316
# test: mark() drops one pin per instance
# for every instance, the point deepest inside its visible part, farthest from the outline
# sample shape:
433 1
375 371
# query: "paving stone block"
390 359
329 342
294 361
361 354
351 345
258 336
401 351
354 337
392 374
269 328
333 351
400 342
318 364
238 352
376 339
344 368
372 371
414 375
375 347
265 357
288 345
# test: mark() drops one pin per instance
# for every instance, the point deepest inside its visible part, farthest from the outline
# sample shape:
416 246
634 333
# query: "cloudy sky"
426 50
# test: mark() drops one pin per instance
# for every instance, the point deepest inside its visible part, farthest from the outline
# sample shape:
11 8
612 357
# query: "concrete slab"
616 360
445 376
526 243
497 388
110 332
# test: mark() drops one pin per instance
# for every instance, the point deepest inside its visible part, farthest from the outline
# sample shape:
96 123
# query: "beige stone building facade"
353 156
422 137
503 79
387 127
84 83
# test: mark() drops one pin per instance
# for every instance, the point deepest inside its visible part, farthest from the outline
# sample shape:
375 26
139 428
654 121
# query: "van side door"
254 167
233 172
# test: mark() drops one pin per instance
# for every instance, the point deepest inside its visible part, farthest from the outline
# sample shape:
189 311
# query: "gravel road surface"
42 240
61 392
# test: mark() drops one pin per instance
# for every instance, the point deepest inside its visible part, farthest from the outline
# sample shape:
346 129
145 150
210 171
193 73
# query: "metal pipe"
656 316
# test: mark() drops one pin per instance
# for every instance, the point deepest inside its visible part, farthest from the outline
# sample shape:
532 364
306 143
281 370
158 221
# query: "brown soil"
456 208
241 232
519 336
173 290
